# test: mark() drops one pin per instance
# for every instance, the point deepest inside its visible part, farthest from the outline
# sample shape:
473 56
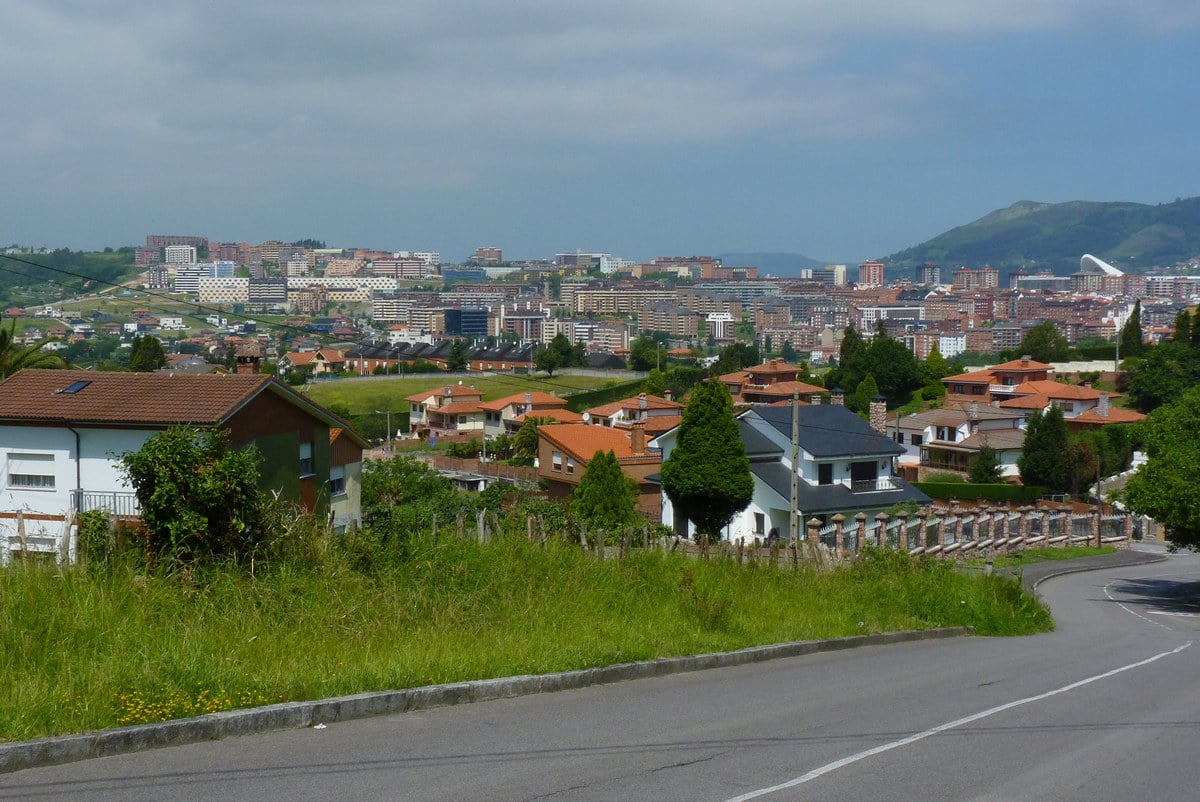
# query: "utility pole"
794 522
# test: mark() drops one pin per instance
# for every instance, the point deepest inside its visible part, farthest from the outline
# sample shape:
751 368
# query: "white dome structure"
1094 265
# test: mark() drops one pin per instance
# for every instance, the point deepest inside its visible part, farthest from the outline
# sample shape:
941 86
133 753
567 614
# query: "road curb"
296 715
1120 559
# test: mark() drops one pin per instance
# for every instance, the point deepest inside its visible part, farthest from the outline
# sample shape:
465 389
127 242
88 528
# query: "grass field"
88 649
369 393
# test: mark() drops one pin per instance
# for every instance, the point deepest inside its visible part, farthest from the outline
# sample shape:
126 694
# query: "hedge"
944 491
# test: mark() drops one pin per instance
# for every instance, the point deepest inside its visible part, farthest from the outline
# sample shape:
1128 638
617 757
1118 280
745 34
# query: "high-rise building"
870 274
487 256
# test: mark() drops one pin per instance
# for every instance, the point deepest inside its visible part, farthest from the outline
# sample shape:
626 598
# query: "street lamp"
390 440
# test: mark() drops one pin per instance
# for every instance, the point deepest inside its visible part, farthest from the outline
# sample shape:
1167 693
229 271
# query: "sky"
841 130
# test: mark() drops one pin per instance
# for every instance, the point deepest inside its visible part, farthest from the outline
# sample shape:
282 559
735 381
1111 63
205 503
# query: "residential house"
996 383
450 409
656 414
949 438
61 432
323 362
565 450
1082 407
500 416
768 383
844 466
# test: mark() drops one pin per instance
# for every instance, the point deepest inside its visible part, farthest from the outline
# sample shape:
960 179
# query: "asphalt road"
1106 707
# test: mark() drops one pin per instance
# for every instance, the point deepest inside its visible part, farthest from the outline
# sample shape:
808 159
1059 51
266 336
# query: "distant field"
370 393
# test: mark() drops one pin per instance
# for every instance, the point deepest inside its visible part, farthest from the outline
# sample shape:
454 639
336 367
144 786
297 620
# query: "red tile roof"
456 391
652 402
556 415
153 399
538 399
583 440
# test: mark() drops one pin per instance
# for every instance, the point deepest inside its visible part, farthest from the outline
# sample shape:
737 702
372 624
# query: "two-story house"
1082 407
62 433
564 451
949 438
844 466
996 383
451 409
771 382
500 416
655 414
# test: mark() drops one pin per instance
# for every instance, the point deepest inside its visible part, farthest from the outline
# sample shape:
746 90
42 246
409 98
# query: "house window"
462 419
900 438
31 471
337 480
306 459
917 439
825 473
556 460
760 523
570 465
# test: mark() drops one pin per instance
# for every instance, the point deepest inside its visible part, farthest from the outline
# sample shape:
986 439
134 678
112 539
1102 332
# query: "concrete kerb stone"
297 715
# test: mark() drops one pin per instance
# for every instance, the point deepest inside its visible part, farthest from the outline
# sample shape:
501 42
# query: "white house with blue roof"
844 466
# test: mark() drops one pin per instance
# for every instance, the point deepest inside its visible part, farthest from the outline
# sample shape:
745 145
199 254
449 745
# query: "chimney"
637 439
641 401
973 410
878 414
528 399
1103 405
815 400
1024 360
667 393
837 397
446 391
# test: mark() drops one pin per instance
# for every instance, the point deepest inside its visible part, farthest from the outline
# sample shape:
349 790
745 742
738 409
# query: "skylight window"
74 387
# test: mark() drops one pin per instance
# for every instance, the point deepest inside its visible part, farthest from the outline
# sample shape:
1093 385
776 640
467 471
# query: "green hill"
1131 236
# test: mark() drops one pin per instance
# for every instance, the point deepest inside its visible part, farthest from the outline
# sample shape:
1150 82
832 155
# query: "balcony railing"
874 485
121 504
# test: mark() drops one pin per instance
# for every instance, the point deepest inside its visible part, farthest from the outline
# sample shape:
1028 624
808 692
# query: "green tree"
456 360
146 354
707 476
736 356
605 497
867 389
1183 327
1130 341
525 441
1165 487
14 357
788 353
646 353
1043 459
985 467
547 360
1162 374
1045 343
655 384
894 367
199 498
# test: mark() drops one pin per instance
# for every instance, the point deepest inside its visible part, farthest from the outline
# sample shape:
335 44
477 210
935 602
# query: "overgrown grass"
371 392
1042 555
90 649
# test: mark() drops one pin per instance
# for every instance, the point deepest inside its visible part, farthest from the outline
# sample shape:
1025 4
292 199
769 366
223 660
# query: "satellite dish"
587 417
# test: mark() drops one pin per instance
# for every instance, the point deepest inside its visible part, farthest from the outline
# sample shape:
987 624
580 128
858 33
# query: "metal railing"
117 503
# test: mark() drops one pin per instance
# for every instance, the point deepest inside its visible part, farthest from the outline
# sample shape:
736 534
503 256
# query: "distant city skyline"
843 132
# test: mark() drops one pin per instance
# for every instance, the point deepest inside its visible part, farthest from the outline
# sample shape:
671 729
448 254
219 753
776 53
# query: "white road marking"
991 711
1170 612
